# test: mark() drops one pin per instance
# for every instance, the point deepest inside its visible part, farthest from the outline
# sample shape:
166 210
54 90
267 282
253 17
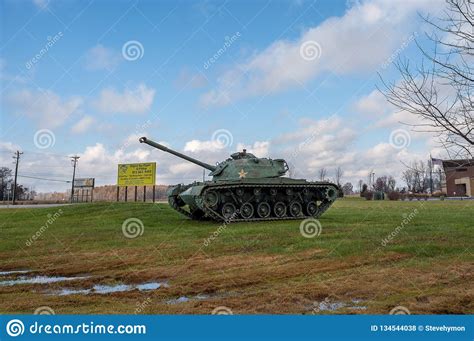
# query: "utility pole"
74 163
431 174
17 160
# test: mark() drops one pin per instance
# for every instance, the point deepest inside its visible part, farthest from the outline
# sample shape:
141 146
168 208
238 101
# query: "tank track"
287 194
173 202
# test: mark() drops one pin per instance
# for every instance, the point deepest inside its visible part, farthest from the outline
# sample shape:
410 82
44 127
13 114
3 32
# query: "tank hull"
253 199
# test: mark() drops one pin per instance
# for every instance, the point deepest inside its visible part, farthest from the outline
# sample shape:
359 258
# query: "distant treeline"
109 193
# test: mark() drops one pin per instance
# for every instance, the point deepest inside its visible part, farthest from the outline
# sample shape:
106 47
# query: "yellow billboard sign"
136 174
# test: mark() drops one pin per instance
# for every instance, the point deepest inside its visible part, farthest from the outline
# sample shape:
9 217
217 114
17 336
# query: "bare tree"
381 183
5 181
417 177
440 90
370 178
391 182
322 174
338 175
408 176
347 189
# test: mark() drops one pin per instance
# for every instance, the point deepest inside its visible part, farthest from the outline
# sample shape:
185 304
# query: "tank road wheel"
311 208
264 210
246 210
279 209
211 199
228 211
331 194
295 208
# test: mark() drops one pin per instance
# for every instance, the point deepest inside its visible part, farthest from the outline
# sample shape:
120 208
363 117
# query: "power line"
35 177
35 152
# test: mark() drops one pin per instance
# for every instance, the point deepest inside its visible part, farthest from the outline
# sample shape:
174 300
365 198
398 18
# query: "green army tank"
247 188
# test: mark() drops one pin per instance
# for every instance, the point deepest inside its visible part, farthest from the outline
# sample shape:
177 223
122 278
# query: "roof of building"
458 163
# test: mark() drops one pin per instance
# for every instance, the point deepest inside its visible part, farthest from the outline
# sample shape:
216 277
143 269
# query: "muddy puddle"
110 289
184 299
14 272
39 280
328 305
18 277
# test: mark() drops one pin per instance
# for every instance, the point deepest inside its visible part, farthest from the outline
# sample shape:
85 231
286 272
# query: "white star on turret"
242 174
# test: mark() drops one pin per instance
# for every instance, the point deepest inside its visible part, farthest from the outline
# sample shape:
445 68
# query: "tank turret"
248 188
240 165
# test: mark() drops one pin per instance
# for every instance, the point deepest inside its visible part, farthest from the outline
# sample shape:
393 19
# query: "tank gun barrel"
178 154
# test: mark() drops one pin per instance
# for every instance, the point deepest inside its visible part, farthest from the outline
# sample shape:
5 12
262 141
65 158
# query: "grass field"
425 266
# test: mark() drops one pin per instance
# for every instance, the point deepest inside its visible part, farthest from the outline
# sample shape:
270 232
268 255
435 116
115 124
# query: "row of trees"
6 187
418 177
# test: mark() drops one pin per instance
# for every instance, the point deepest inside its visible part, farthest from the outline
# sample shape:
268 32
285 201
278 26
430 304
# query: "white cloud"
385 115
137 100
102 58
199 146
8 146
183 168
359 41
373 105
82 125
44 106
259 148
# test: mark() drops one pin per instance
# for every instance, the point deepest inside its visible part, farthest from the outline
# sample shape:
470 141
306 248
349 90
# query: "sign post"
84 184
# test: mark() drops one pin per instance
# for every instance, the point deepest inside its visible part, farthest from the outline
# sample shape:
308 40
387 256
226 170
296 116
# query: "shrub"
419 196
368 195
394 195
379 195
438 194
363 191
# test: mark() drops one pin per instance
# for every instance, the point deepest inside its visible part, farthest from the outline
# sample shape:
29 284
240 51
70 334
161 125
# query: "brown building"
459 177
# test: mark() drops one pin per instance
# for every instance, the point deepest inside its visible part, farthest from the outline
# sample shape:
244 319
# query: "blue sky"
291 79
